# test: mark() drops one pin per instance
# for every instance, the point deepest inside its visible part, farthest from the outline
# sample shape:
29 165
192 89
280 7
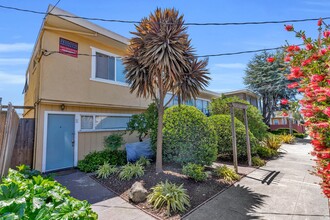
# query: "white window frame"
93 71
105 115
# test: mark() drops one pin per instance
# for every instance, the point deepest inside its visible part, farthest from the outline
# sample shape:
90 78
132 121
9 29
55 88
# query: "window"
276 122
107 66
104 122
86 122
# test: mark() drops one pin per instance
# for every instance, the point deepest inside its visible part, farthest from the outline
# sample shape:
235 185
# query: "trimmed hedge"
257 127
94 160
189 137
222 125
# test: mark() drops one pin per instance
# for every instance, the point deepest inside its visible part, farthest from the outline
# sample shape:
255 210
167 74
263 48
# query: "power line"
48 53
187 23
54 6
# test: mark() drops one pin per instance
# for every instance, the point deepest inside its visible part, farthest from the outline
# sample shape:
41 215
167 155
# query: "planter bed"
198 192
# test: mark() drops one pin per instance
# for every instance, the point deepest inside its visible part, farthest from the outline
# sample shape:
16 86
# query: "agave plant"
161 60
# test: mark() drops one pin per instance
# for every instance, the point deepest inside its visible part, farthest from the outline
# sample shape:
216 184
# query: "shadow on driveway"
237 202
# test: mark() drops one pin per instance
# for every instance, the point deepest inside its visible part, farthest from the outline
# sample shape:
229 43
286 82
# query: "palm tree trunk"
159 155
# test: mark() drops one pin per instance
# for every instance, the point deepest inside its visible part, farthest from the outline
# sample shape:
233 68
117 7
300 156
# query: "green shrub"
130 171
170 196
264 152
143 161
228 174
93 160
114 141
194 171
188 136
299 135
258 162
284 131
222 125
26 195
106 170
257 127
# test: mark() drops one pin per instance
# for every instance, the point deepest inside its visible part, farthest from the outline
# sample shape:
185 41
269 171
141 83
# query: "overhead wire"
186 23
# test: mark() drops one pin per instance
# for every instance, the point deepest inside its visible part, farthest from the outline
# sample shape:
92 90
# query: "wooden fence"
16 140
23 148
8 139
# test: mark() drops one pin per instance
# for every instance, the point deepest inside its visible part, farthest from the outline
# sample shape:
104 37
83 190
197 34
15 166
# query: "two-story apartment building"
76 83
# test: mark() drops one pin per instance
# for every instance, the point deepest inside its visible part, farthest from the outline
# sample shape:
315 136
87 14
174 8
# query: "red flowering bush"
310 71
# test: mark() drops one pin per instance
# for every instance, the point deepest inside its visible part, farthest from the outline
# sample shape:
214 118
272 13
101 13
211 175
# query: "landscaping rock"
137 192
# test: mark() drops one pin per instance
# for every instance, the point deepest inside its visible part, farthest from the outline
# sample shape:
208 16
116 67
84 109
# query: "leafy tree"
256 125
144 123
160 59
269 80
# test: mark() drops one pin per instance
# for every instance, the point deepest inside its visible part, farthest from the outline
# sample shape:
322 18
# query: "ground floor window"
104 122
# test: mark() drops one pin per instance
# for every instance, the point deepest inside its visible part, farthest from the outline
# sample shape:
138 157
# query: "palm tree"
161 60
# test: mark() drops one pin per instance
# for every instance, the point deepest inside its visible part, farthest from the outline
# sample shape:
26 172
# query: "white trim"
108 81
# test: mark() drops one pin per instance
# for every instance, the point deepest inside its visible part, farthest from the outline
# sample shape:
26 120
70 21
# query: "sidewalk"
283 189
104 202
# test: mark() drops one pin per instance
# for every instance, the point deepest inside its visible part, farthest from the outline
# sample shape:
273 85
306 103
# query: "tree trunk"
159 152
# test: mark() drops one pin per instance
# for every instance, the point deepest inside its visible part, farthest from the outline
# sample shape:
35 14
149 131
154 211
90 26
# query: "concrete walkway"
283 189
105 203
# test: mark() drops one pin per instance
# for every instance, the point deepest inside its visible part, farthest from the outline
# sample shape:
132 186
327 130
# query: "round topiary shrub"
222 126
189 137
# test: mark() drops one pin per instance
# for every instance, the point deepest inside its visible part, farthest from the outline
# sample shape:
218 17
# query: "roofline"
241 91
86 24
211 92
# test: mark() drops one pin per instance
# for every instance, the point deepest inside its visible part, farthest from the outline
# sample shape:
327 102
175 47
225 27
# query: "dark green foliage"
114 141
269 80
143 161
106 170
93 160
188 136
299 135
264 152
194 171
26 195
257 127
284 131
222 125
258 162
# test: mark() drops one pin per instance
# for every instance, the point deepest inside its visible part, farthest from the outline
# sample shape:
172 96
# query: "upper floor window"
107 66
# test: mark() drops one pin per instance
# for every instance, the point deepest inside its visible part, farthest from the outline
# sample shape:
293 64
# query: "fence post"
248 145
233 133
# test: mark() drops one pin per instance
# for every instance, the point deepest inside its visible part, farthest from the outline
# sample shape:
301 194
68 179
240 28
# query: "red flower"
285 114
284 101
287 59
317 78
322 124
288 27
319 22
323 51
321 99
309 47
306 62
270 59
327 111
326 34
301 89
293 85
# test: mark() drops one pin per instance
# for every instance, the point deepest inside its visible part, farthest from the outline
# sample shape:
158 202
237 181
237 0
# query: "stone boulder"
137 193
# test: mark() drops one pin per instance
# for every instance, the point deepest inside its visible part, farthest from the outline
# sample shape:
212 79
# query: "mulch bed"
197 191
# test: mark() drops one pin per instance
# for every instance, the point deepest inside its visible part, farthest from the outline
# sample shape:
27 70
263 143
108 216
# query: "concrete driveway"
283 189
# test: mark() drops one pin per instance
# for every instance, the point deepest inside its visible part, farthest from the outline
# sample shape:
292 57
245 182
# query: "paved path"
283 189
105 203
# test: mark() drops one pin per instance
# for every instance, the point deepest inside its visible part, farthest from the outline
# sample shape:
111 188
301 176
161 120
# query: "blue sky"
19 31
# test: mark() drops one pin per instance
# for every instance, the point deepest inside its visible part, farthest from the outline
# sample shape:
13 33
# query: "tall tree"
160 59
269 80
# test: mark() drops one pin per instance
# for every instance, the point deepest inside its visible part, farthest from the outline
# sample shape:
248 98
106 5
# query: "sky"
18 32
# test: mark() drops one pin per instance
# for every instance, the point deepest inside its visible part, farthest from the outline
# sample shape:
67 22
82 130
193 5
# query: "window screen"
86 122
105 67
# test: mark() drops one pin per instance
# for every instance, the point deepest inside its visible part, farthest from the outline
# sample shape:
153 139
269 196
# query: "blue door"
60 142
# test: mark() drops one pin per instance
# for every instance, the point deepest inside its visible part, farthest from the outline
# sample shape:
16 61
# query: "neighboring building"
79 99
278 121
246 95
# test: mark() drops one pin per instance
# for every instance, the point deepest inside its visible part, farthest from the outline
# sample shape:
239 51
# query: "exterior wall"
87 141
252 100
68 79
298 128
